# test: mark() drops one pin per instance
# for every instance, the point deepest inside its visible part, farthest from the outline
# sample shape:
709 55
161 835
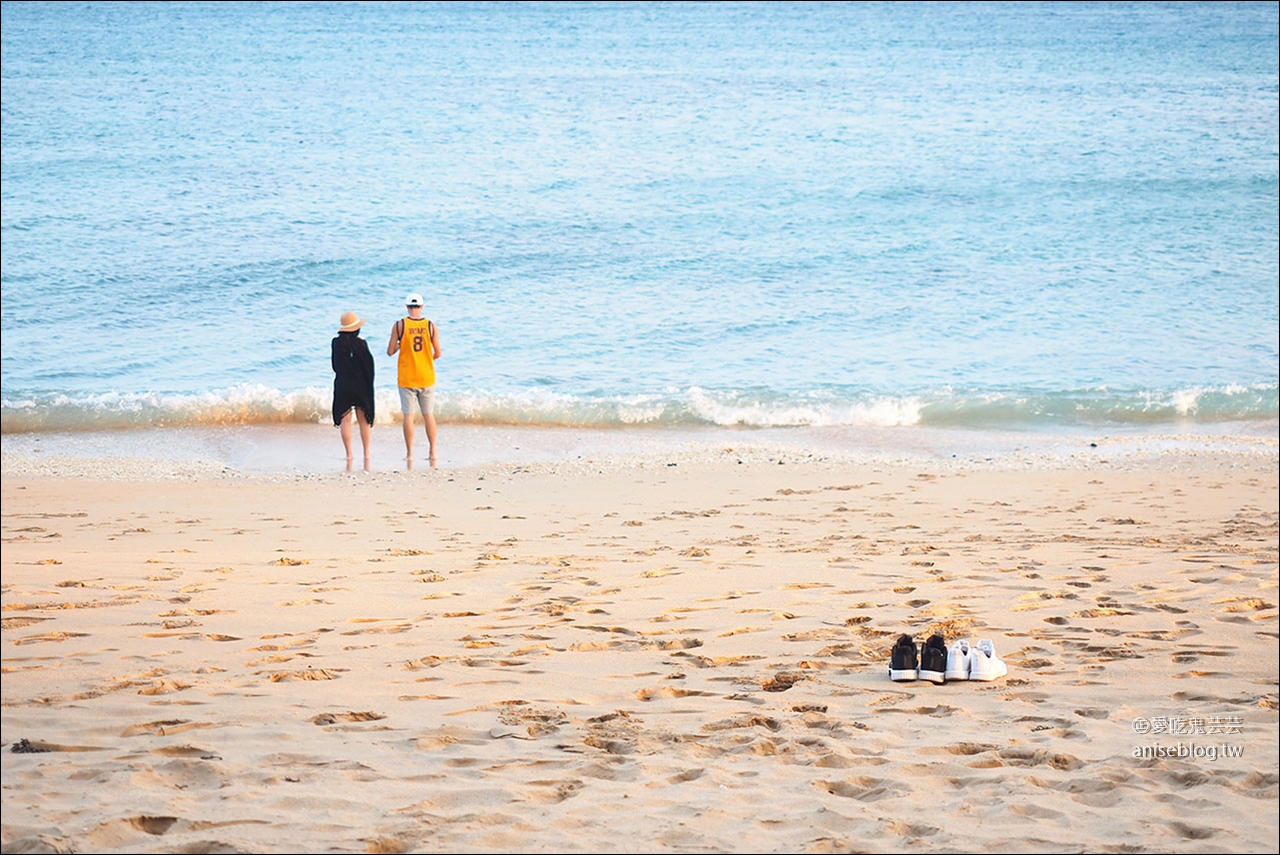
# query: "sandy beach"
679 653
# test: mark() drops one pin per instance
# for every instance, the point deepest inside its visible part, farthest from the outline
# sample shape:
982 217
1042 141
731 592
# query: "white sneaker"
984 664
958 658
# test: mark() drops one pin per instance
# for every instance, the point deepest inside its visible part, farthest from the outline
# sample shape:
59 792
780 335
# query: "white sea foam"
259 404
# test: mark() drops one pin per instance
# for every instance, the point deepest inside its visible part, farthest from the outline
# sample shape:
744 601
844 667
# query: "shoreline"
315 450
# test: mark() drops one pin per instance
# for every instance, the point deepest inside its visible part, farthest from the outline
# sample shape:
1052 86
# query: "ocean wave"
1093 407
243 404
687 407
257 404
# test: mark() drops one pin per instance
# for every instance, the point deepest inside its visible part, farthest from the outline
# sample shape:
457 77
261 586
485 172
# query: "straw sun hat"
350 321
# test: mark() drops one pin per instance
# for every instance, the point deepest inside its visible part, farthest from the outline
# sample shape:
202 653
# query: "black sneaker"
902 661
933 660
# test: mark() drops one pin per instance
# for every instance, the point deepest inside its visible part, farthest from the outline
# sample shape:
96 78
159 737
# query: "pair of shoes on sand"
935 663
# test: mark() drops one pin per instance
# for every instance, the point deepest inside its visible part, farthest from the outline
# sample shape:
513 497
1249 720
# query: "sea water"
772 217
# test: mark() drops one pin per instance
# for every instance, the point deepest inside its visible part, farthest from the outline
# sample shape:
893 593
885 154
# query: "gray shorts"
425 398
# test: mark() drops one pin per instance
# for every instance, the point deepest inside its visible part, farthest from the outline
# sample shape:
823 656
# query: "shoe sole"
956 676
901 676
933 677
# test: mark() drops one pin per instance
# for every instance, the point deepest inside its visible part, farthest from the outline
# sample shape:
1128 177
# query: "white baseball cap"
413 300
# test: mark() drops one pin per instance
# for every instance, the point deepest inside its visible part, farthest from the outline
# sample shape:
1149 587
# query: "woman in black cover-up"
352 383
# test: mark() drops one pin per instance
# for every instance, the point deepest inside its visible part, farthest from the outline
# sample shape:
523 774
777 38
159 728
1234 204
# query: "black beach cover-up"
352 376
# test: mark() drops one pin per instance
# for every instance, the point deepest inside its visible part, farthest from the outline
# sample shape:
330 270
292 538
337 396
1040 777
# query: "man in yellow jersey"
418 341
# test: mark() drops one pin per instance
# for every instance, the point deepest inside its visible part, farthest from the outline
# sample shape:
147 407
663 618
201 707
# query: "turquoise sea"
879 219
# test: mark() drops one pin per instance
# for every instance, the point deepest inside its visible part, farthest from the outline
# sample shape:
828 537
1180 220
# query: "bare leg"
366 437
430 419
346 435
408 436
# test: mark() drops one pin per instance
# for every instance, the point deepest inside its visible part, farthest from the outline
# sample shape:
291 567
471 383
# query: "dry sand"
667 656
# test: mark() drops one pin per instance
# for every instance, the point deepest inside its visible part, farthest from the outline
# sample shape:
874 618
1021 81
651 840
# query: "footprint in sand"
686 776
1187 655
20 622
185 751
108 831
1187 831
968 749
164 687
668 692
28 746
332 718
865 789
781 682
390 845
309 674
1037 812
49 636
1091 791
1025 756
167 727
554 792
744 721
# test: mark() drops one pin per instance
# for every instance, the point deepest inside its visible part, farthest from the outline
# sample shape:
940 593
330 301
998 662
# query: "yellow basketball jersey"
416 368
